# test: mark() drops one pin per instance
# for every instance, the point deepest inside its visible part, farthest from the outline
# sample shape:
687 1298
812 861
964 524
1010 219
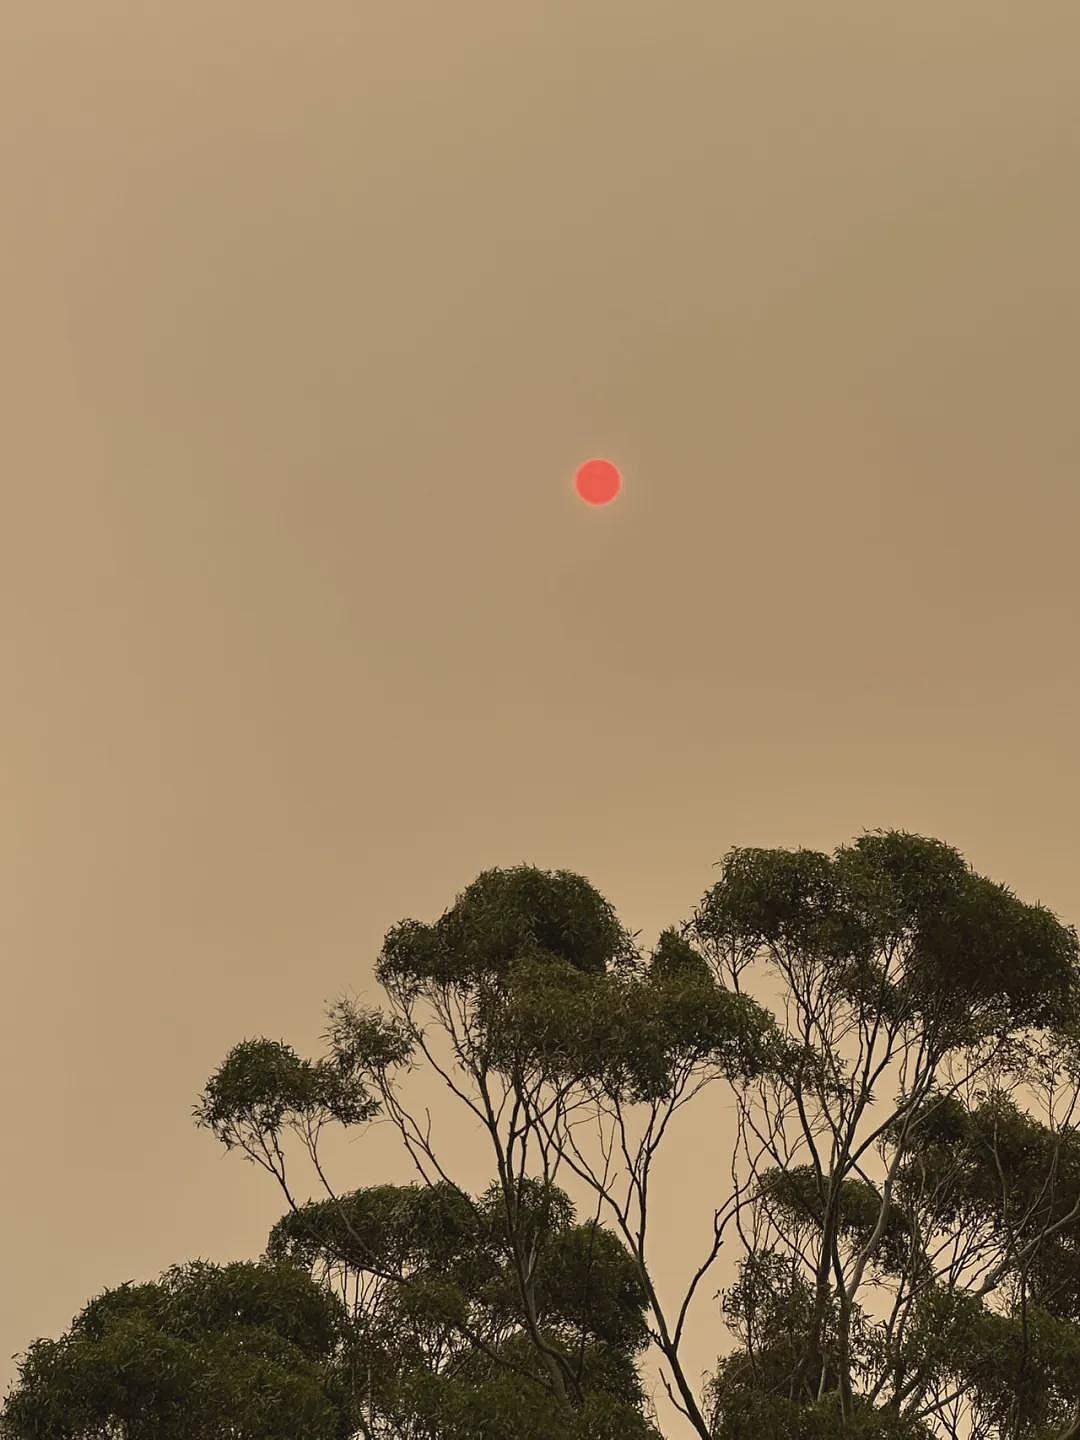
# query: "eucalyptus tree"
899 1037
425 1343
923 1242
441 1346
244 1351
557 1336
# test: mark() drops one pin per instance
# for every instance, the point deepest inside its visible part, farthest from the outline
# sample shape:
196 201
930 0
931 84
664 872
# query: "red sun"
598 482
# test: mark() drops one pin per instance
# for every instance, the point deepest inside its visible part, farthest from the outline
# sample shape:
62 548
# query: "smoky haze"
310 314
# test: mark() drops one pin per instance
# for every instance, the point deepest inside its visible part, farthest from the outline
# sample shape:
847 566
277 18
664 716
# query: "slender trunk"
671 1354
558 1366
821 1296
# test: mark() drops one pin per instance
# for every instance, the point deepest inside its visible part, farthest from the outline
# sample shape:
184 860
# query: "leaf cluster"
242 1350
446 1320
901 922
263 1085
635 1033
504 917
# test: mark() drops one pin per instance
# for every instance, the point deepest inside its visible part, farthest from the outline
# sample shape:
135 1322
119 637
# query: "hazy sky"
309 314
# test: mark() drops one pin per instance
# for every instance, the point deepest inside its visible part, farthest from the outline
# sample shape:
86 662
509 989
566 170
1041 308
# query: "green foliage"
973 959
240 1351
1013 1366
506 1407
199 1297
797 1193
781 898
589 1285
263 1085
993 1164
634 1033
502 918
364 1043
674 961
502 1315
1054 1275
386 1229
544 999
749 1414
775 1385
770 1309
448 1272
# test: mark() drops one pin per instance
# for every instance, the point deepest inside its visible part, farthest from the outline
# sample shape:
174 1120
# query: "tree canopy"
898 1038
241 1350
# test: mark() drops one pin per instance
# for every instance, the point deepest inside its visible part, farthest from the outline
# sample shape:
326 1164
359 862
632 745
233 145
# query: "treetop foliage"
503 918
893 1042
209 1351
975 959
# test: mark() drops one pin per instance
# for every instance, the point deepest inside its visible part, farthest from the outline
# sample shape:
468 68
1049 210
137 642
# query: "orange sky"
309 315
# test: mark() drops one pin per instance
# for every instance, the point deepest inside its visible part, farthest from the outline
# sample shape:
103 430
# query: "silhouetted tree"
897 1278
899 1040
245 1351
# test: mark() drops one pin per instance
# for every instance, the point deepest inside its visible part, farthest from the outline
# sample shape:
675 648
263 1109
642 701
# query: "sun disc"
598 482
